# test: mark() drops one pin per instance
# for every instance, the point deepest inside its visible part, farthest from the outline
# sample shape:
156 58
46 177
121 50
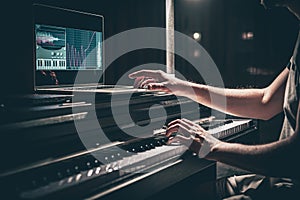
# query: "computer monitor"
66 42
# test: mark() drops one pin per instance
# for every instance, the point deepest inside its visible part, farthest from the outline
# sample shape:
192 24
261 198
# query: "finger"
146 82
192 127
196 126
171 130
180 139
191 123
180 121
193 145
145 73
138 81
176 121
178 128
158 86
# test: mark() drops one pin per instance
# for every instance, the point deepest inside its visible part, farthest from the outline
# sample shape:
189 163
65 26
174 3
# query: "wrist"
186 88
215 150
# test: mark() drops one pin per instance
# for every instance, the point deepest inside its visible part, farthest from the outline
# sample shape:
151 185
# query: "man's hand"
159 80
193 136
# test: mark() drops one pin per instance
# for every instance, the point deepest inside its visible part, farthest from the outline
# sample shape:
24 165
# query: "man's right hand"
159 80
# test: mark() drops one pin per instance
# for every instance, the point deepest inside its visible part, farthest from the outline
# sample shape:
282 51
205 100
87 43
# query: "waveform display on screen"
50 37
82 49
46 38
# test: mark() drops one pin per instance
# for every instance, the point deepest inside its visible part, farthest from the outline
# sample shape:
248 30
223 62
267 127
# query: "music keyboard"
220 129
111 166
226 128
107 174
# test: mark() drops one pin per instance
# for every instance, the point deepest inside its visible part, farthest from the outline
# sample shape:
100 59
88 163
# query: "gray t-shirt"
290 108
292 91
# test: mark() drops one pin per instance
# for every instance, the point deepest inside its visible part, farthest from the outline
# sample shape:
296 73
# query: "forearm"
278 158
240 102
274 159
253 103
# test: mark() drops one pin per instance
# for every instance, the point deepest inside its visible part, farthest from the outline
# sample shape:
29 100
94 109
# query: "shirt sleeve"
289 64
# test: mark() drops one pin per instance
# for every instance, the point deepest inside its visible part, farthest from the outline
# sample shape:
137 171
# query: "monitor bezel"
69 18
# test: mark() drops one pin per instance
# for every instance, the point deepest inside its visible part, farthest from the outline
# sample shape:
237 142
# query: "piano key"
130 164
229 129
121 161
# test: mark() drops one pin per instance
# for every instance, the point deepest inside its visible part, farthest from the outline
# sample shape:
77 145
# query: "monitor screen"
66 42
59 48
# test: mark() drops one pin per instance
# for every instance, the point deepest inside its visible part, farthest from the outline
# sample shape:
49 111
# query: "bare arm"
274 159
253 103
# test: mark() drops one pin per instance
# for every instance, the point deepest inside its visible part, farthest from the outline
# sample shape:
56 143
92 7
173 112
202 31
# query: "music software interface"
59 48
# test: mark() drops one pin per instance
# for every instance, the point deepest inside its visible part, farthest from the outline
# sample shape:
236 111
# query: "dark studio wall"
222 23
242 62
16 48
